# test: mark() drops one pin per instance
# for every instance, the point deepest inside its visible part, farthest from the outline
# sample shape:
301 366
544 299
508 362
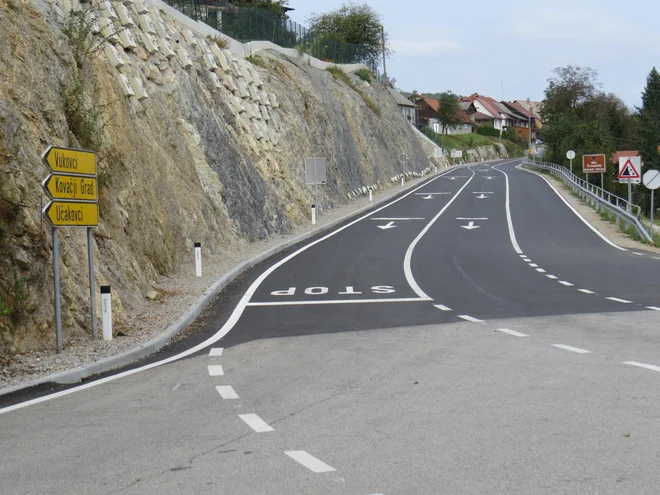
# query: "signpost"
315 173
456 154
73 188
652 181
629 168
570 154
594 164
403 158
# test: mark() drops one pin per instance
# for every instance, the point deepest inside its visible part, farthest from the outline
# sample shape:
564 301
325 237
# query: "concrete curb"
75 375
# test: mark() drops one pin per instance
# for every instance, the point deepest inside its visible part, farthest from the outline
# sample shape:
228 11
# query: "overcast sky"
472 46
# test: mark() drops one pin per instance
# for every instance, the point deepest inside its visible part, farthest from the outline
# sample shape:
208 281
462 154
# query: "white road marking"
340 301
540 270
176 387
642 365
390 225
567 284
654 308
572 349
432 194
256 423
656 258
226 392
216 351
533 265
512 234
395 219
586 291
309 461
616 299
470 318
470 226
512 332
441 307
552 277
638 254
484 192
523 255
216 370
527 260
464 218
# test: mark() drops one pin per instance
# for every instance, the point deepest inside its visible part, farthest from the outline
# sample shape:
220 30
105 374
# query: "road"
474 335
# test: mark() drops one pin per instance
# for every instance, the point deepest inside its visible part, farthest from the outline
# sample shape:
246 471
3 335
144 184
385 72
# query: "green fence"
247 24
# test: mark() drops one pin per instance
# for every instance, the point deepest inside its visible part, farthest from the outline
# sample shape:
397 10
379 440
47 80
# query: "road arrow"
482 196
388 226
470 226
428 197
489 177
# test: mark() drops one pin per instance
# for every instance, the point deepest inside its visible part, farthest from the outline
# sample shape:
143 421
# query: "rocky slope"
189 163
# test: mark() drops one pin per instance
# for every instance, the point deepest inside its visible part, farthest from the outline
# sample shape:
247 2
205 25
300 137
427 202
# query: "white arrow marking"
482 196
489 177
388 226
470 226
427 197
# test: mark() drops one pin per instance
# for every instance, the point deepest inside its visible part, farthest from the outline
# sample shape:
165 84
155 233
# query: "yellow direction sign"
70 161
72 214
71 187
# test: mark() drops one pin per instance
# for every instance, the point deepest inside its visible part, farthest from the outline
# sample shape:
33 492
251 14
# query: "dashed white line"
552 277
527 260
216 370
567 284
642 365
586 291
572 349
226 392
442 307
638 254
523 256
216 352
533 265
656 258
616 299
654 308
512 332
256 423
470 318
309 461
540 270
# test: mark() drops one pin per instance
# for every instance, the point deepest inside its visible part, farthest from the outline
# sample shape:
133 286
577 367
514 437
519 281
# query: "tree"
355 23
649 122
448 110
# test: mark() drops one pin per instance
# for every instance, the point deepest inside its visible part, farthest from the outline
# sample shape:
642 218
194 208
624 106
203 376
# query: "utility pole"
382 39
529 123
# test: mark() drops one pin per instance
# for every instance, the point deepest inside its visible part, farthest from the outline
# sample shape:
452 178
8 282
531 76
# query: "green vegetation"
221 41
86 120
337 73
465 142
448 108
77 27
257 60
364 74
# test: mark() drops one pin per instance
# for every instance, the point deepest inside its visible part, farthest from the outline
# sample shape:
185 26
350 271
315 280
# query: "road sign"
71 187
315 170
593 164
570 154
456 153
629 167
72 214
70 161
651 179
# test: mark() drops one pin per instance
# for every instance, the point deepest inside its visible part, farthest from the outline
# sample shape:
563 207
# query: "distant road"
474 335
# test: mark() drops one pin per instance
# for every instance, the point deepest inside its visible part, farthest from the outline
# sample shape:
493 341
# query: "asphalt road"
475 335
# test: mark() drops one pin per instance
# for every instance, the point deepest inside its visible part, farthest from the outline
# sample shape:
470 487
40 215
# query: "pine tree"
649 120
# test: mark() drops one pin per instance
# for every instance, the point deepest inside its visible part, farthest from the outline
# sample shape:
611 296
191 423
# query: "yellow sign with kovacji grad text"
71 187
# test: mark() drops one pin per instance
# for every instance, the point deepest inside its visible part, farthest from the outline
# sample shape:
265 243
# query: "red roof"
431 102
482 116
621 154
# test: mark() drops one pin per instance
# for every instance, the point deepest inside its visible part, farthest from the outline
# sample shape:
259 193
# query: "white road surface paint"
216 351
642 365
432 194
552 277
638 254
471 319
533 265
442 307
226 392
395 219
256 423
465 218
527 260
216 370
340 301
512 234
567 284
540 270
654 308
512 332
572 349
309 461
616 299
586 291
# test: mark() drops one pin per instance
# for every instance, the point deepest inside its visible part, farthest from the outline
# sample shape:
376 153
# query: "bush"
221 41
337 73
488 131
364 74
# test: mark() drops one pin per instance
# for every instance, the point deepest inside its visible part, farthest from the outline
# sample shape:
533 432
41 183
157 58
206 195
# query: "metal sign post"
651 180
315 173
570 154
403 158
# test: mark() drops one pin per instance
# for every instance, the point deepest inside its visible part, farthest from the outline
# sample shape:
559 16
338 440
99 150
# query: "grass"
469 141
337 73
364 74
257 60
221 41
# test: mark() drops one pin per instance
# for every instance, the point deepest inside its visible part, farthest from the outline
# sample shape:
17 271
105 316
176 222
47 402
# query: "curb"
76 375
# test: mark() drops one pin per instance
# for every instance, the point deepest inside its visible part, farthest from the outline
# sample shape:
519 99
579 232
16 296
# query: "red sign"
593 164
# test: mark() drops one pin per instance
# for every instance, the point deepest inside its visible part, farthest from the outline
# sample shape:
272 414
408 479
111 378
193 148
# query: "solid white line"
616 299
584 220
552 277
470 318
463 218
229 324
216 370
339 301
484 192
567 284
381 218
226 392
540 270
654 308
512 332
216 351
408 257
572 349
586 291
432 194
533 265
309 461
256 423
638 254
442 308
512 234
642 365
656 258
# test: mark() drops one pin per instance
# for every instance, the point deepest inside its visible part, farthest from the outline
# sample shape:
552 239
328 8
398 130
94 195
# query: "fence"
626 213
247 24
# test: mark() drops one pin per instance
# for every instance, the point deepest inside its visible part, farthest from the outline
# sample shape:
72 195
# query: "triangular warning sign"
629 171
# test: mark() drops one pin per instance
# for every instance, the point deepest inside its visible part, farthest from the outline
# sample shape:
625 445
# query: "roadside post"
570 154
403 158
629 168
651 180
315 173
198 259
106 312
73 190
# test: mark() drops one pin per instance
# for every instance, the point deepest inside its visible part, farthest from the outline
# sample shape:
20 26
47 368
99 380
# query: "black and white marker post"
315 174
198 259
106 312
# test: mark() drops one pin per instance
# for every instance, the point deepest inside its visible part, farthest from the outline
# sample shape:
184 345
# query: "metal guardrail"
626 213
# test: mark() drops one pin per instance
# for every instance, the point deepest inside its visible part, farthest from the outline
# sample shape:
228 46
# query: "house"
521 119
407 108
427 110
485 107
535 108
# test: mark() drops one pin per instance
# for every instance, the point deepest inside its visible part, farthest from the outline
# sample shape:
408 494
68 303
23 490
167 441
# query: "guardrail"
626 213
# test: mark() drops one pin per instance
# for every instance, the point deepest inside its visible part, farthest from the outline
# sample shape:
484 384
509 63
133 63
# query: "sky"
479 46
